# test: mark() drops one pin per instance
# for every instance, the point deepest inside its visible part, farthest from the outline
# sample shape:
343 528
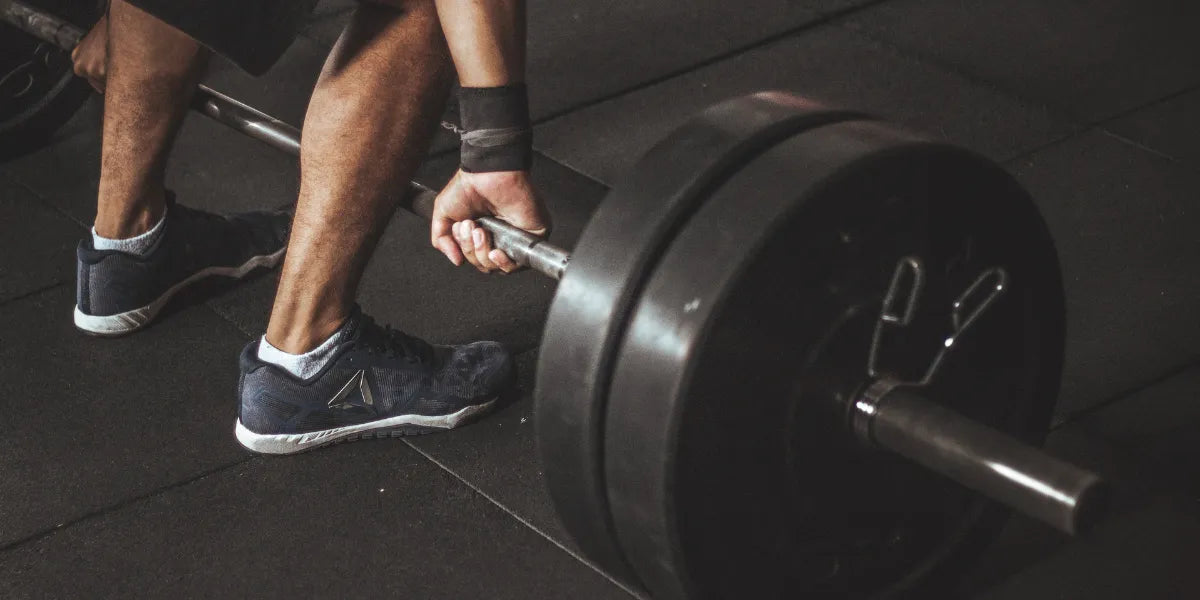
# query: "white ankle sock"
138 245
301 365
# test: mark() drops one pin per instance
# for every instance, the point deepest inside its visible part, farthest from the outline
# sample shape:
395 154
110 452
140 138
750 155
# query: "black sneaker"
379 383
119 293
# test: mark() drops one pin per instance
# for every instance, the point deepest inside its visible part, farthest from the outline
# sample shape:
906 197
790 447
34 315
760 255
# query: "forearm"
486 39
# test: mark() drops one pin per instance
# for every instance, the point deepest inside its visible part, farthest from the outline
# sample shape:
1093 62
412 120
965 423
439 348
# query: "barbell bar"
875 406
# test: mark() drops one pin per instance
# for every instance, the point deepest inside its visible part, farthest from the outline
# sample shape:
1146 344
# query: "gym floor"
119 473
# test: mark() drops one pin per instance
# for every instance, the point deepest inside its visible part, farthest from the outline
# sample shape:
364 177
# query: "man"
324 371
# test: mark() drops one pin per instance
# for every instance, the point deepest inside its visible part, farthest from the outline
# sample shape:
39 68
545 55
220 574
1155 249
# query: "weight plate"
39 91
621 242
729 466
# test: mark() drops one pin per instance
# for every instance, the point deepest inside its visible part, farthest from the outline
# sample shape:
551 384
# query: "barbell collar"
998 466
526 249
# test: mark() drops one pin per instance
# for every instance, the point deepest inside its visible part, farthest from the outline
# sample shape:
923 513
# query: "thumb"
530 215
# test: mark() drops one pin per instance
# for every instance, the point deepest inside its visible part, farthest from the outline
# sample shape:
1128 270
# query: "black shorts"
251 33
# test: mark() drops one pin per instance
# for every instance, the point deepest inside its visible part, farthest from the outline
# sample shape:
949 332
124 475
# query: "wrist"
496 185
500 176
497 134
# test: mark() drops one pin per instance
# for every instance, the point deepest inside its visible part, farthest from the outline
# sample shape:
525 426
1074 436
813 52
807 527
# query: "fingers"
482 240
444 227
466 243
443 236
447 246
89 57
490 257
507 196
97 84
475 243
502 260
77 65
100 82
90 70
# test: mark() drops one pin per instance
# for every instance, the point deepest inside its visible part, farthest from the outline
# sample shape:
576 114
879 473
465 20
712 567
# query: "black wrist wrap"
496 133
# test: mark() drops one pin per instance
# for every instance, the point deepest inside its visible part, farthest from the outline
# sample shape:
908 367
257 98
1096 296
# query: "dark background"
119 473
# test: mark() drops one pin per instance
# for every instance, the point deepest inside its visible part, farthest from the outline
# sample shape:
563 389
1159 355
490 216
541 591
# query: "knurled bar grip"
525 248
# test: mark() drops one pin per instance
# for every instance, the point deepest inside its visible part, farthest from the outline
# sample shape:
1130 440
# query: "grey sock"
302 365
138 245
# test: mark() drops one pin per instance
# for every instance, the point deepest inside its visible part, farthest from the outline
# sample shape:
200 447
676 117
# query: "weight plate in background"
39 91
621 242
729 468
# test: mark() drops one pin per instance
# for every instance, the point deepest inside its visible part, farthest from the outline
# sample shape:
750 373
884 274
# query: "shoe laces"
199 220
393 343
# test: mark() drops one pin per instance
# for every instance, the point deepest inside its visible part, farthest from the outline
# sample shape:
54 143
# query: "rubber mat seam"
119 505
34 292
45 201
821 19
1128 392
525 522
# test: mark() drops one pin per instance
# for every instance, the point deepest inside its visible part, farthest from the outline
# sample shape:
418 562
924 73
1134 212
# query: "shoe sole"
398 426
133 320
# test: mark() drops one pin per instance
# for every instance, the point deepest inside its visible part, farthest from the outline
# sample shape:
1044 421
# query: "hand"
507 195
91 55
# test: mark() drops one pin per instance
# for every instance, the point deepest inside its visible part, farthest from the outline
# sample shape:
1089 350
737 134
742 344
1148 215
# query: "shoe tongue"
441 354
351 329
354 323
358 325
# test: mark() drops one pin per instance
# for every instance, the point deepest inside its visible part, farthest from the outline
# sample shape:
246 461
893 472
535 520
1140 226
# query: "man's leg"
368 125
152 72
145 248
325 372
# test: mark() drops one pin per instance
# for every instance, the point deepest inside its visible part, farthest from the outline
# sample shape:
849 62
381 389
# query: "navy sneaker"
119 293
379 383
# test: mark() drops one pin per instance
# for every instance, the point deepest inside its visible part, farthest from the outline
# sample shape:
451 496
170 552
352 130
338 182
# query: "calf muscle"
368 126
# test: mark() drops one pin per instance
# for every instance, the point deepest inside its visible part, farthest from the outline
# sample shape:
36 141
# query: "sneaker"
379 383
119 293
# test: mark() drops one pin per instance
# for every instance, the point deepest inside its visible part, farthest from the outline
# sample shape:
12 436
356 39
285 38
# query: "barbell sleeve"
525 248
994 464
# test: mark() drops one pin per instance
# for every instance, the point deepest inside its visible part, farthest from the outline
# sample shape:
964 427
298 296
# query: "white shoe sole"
291 443
133 320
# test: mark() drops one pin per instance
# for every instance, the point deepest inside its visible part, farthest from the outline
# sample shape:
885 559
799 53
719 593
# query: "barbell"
38 88
797 350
